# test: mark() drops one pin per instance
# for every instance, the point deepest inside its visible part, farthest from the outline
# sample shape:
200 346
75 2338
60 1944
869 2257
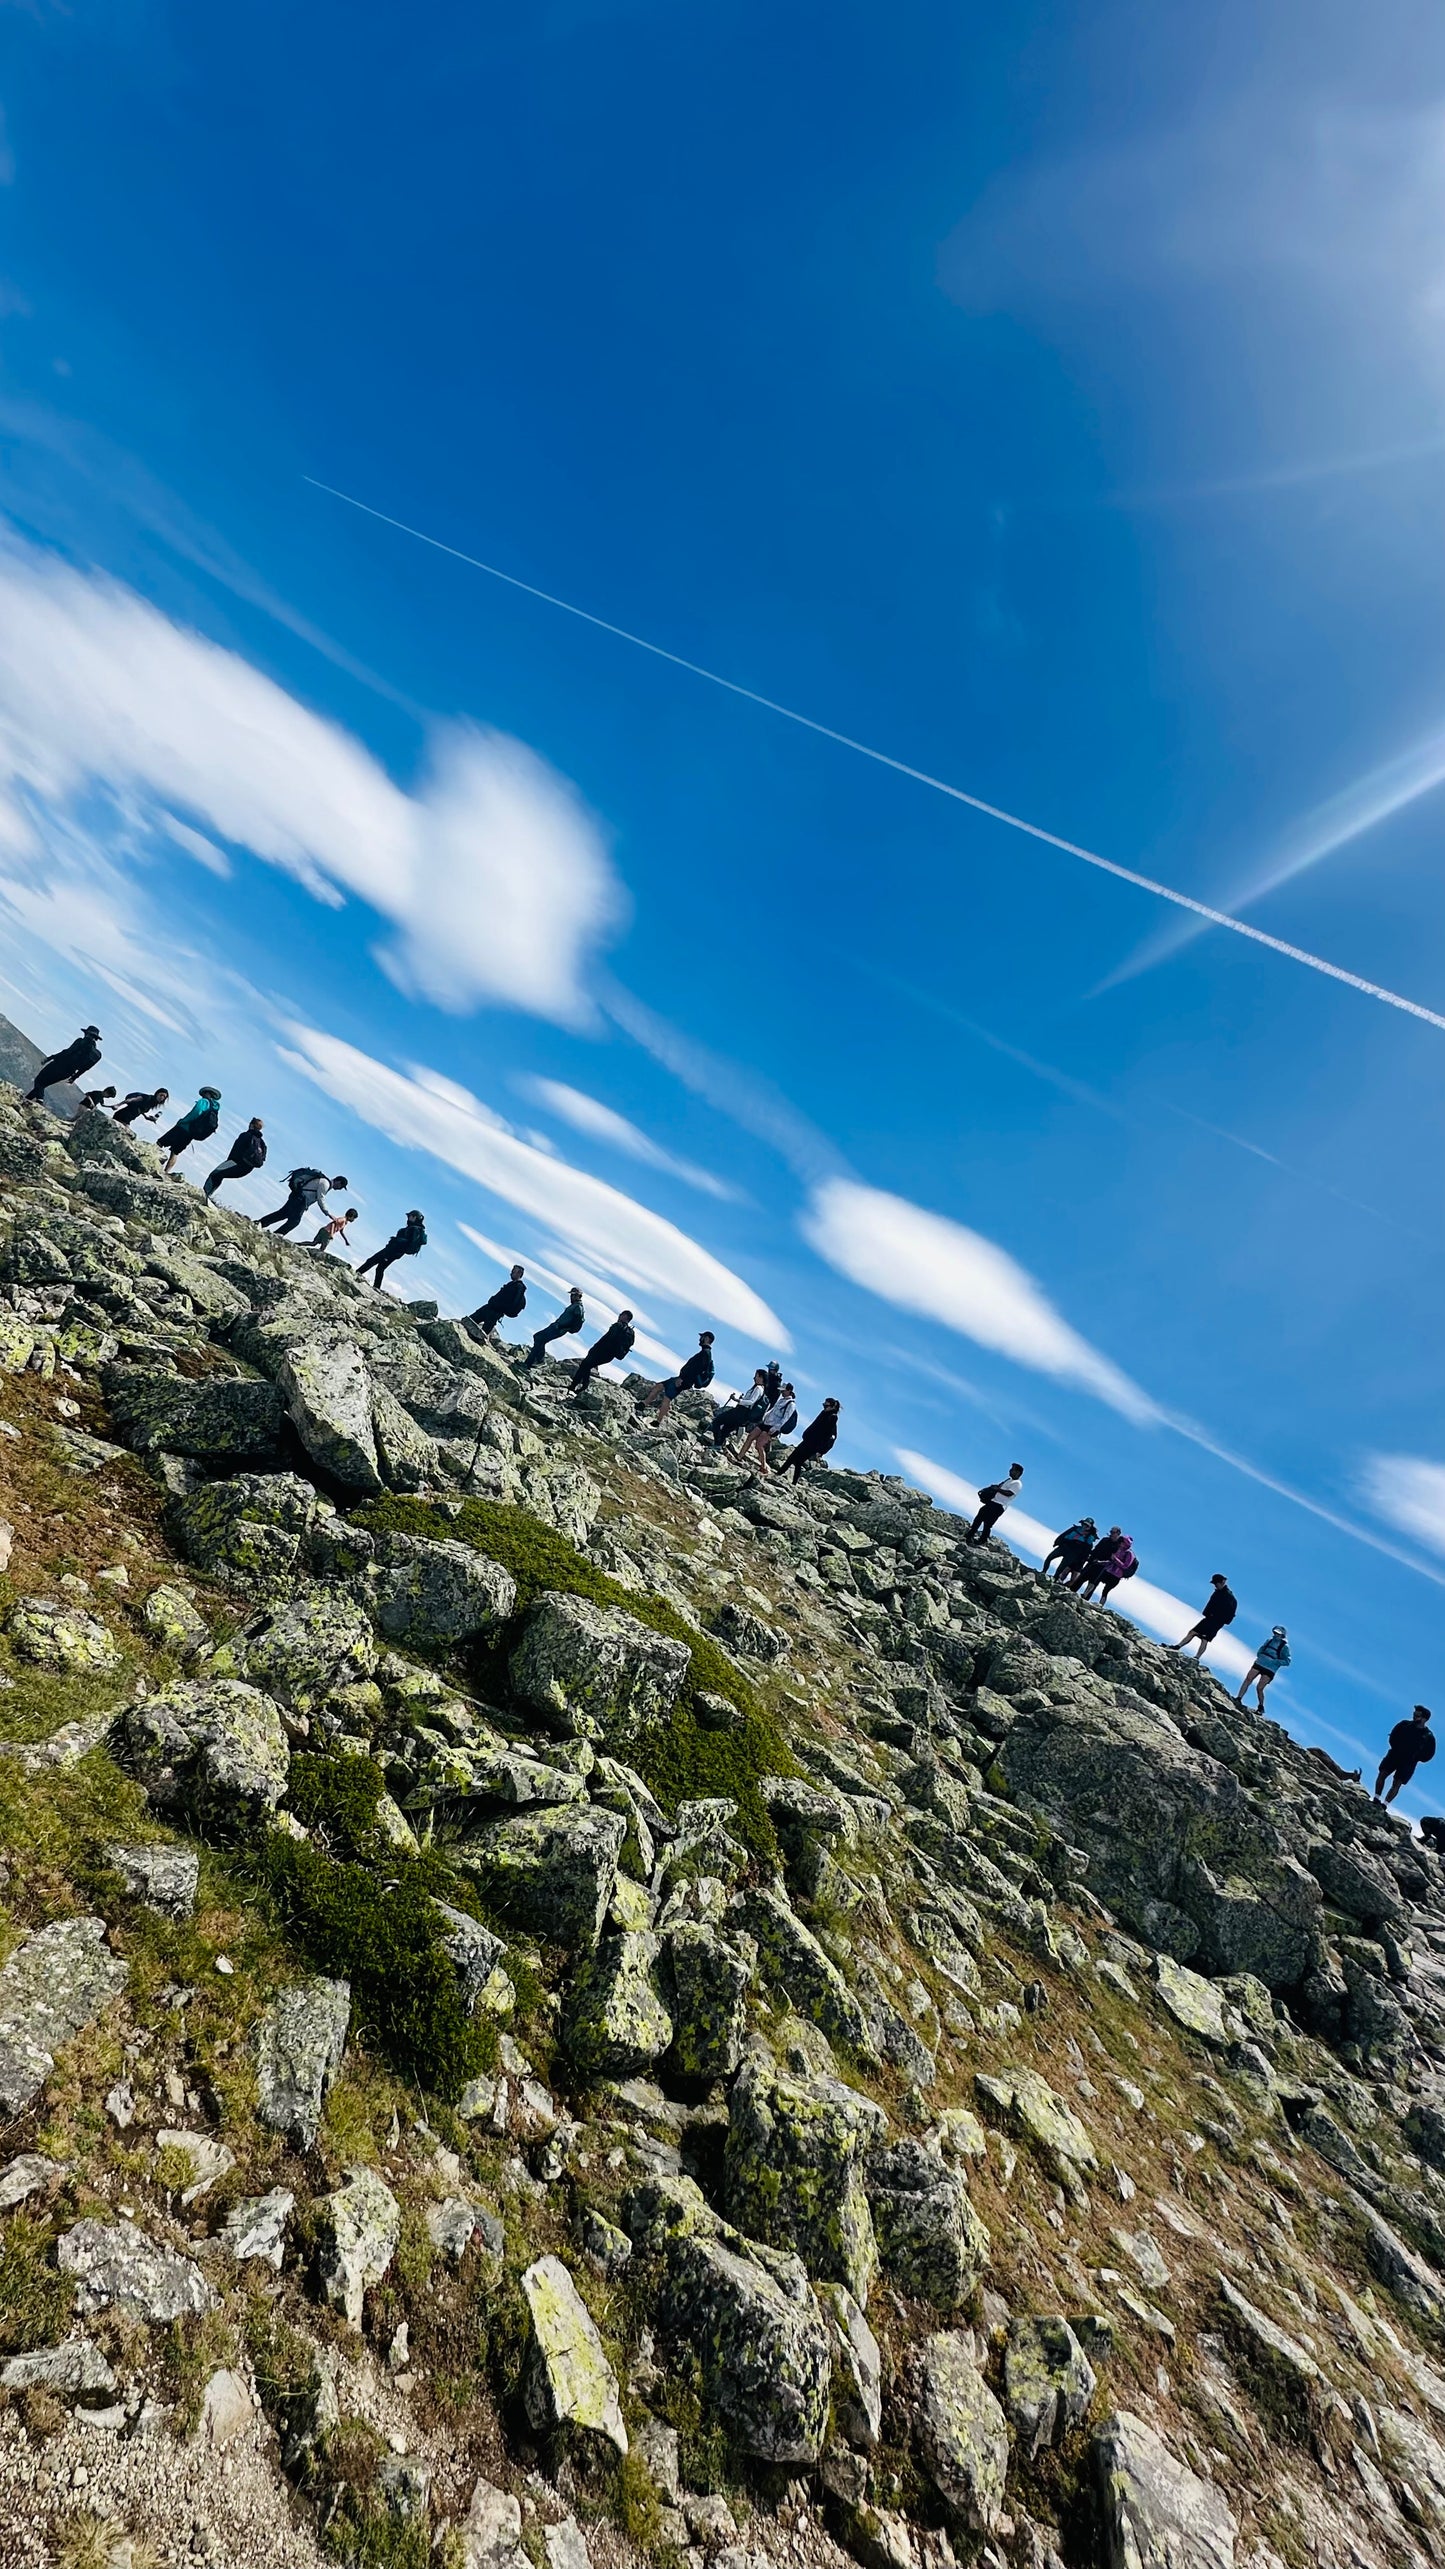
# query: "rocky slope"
557 2004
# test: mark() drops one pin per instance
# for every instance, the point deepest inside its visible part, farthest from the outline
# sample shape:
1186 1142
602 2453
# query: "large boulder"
50 1633
408 1457
551 1872
57 1981
931 2242
1048 2381
792 1957
751 2322
323 1380
1354 1880
617 2024
359 2225
248 1530
1157 2514
961 2430
430 1596
114 2266
160 1413
298 2047
161 1876
595 1672
568 2380
857 2368
215 1752
708 1976
151 1201
304 1649
795 2170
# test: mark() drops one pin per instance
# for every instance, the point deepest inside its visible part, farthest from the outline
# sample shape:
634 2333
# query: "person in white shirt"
996 1496
780 1418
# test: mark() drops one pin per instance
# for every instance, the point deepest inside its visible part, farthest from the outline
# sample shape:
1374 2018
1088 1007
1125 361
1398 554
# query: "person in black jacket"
80 1056
404 1243
1220 1608
247 1152
306 1192
141 1105
569 1320
507 1303
817 1439
1412 1744
694 1376
616 1342
196 1125
742 1411
98 1097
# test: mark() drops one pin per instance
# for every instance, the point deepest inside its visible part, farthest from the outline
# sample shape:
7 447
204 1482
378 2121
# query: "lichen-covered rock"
1287 2376
156 1413
323 1380
477 1954
745 1631
749 2319
795 2170
51 1634
298 2046
595 1672
708 1976
961 2431
930 2240
151 1201
248 1530
791 1956
1354 1880
216 1752
176 1621
57 1981
550 1872
857 2368
430 1596
617 2023
1192 2001
1048 2381
114 2266
68 2370
409 1458
1025 2103
255 2228
1157 2514
160 1876
317 1641
359 2227
566 1497
568 2379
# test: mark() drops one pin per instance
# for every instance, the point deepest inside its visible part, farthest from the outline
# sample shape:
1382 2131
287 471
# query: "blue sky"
1054 404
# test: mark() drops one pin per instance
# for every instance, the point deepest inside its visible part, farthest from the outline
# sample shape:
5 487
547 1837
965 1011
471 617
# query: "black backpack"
296 1178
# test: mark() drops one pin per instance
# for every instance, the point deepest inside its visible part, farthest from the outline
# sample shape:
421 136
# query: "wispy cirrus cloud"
601 1123
1409 1493
492 875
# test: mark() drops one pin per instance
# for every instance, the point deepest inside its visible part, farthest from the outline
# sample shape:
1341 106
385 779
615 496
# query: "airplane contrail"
900 767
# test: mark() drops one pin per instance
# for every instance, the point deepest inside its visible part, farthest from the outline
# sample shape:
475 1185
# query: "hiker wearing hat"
306 1192
694 1376
1412 1744
1071 1549
196 1125
1271 1656
80 1056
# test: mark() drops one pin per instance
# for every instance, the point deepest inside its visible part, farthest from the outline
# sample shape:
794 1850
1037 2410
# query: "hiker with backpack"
408 1242
1111 1559
246 1154
197 1124
693 1376
742 1410
1271 1656
615 1343
569 1320
141 1106
996 1496
780 1418
306 1192
1412 1744
818 1438
1220 1608
78 1057
1071 1549
507 1303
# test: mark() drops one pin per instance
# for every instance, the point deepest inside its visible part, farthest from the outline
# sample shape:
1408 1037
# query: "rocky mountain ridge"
560 2001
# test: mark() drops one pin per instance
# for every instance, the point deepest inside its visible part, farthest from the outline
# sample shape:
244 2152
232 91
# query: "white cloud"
491 872
423 1111
1408 1493
1153 1609
923 1262
603 1124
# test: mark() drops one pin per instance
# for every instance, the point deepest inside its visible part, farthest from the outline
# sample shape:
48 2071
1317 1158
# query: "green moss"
335 1795
35 2297
385 1937
680 1759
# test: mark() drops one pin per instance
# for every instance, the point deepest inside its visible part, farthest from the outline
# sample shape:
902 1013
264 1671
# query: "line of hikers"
307 1189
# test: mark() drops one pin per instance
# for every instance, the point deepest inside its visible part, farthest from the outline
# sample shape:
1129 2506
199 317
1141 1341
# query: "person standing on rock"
78 1057
1220 1608
1071 1549
742 1411
610 1348
694 1376
1271 1656
1412 1744
197 1124
996 1496
507 1303
247 1152
1111 1559
405 1243
141 1106
306 1192
569 1320
818 1438
780 1418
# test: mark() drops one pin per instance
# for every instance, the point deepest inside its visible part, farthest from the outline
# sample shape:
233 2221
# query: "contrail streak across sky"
900 767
